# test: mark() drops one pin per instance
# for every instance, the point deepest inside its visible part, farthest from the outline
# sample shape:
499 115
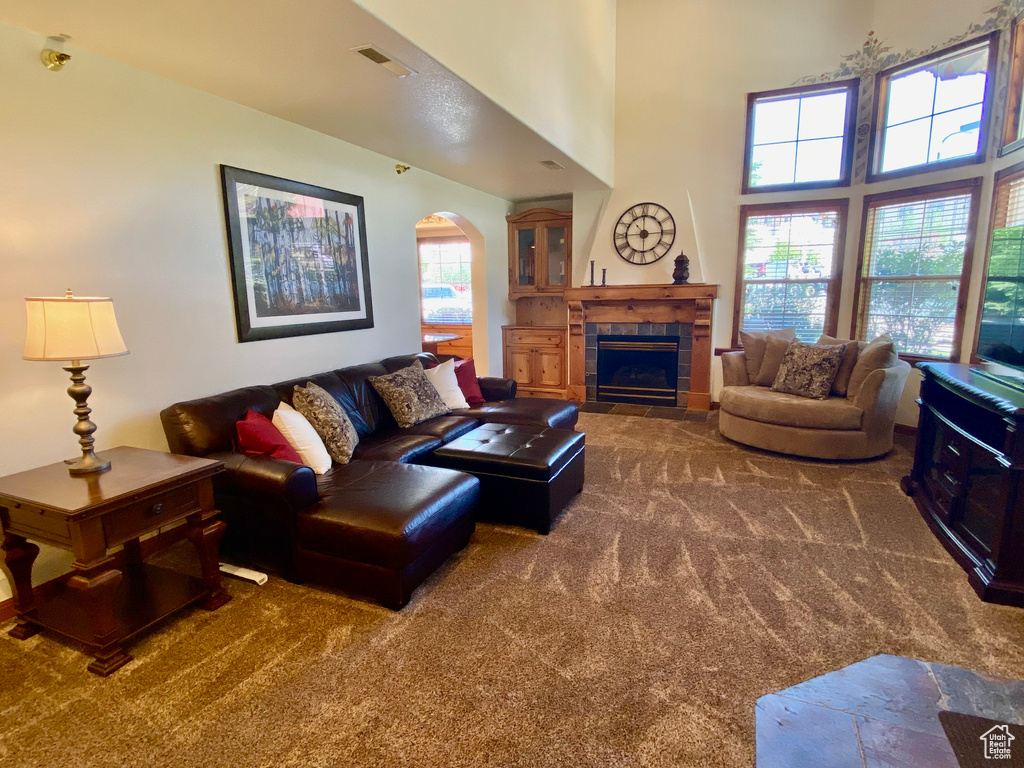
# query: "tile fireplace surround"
641 310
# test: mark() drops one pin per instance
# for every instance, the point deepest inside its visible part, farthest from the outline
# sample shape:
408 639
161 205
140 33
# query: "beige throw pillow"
302 437
328 419
853 350
409 395
755 344
775 350
879 353
807 370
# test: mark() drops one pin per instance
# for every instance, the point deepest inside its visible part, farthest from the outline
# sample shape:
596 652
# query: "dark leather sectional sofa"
377 526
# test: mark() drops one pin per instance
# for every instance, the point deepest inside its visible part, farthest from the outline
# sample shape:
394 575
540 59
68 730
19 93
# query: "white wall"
680 122
550 64
111 187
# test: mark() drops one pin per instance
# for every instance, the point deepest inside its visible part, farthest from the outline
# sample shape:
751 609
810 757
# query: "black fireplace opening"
637 369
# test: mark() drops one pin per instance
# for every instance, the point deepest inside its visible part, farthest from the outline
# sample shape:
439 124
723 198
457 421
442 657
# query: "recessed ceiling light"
377 56
551 165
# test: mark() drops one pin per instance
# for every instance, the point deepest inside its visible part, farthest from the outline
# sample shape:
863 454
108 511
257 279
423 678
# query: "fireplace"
642 363
637 369
681 312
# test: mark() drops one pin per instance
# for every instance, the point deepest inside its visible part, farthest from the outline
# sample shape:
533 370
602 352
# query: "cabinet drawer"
523 337
133 520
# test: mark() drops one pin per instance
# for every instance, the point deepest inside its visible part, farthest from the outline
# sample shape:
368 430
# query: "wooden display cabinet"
539 252
968 475
535 358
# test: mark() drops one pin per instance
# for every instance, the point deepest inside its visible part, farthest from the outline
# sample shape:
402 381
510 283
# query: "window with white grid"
932 110
914 263
789 267
800 138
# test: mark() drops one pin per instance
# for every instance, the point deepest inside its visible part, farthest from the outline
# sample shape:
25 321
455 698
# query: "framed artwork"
298 257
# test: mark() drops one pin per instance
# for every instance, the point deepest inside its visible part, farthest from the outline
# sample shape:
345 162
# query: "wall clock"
644 233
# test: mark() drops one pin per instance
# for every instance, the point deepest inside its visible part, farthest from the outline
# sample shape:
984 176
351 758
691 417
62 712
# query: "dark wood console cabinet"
967 475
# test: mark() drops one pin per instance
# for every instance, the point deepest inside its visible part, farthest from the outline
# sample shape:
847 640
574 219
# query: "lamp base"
86 464
80 392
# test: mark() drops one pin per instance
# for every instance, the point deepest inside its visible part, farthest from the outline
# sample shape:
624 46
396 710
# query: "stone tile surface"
963 690
891 688
886 745
895 703
792 734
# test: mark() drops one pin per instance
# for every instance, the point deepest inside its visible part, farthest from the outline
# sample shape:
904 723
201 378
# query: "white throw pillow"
302 437
447 386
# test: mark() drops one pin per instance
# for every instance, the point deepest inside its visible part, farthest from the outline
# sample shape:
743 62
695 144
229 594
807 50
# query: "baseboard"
44 592
905 429
51 588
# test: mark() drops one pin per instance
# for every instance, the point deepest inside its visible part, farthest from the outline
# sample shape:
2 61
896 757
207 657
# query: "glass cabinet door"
984 504
556 253
526 257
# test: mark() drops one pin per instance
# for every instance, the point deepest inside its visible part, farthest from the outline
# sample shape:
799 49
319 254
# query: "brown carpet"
690 577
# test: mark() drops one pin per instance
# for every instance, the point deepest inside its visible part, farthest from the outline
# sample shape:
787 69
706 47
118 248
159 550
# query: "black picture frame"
299 262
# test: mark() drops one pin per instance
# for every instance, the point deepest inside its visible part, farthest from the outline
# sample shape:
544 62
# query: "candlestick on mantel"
604 275
591 272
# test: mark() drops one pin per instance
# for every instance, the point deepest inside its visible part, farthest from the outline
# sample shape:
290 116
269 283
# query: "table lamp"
74 328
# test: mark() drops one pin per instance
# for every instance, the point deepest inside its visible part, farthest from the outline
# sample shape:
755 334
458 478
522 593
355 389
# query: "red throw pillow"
258 436
465 375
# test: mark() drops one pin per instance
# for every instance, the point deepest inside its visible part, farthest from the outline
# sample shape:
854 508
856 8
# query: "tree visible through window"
914 267
445 285
789 267
1000 332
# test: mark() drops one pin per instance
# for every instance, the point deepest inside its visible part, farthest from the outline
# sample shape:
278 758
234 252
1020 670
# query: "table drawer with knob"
135 519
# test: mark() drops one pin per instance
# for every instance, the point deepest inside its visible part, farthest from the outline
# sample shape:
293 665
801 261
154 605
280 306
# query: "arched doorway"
453 297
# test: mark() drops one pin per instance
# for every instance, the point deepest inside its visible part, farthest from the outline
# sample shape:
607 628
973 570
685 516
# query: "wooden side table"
105 603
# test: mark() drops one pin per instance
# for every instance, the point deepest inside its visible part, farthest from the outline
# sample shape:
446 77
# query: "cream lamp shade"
71 328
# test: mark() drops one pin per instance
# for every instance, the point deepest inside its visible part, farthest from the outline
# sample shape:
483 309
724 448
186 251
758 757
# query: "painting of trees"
298 257
303 256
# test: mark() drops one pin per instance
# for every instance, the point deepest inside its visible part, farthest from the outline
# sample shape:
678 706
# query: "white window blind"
788 267
912 271
1004 287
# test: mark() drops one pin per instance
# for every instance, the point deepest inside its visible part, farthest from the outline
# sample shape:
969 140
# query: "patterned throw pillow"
328 419
809 369
410 397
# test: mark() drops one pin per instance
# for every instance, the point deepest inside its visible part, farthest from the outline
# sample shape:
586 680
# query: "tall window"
799 138
933 111
789 270
1013 132
916 253
1000 333
445 289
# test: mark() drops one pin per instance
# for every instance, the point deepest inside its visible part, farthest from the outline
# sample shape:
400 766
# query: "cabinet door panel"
550 371
985 501
521 366
526 258
557 253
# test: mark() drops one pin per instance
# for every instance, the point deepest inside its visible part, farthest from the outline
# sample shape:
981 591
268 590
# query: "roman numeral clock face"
644 233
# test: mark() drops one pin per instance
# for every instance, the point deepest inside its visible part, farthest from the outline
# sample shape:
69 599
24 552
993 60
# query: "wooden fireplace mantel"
691 303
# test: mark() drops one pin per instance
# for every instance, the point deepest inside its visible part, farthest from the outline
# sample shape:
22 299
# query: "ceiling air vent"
377 56
551 165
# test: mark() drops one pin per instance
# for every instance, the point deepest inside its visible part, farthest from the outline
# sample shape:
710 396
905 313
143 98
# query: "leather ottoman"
528 475
381 528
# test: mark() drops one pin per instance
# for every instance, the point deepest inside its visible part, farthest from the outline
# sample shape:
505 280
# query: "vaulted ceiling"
294 61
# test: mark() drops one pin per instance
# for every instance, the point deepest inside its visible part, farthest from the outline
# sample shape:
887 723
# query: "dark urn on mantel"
681 274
